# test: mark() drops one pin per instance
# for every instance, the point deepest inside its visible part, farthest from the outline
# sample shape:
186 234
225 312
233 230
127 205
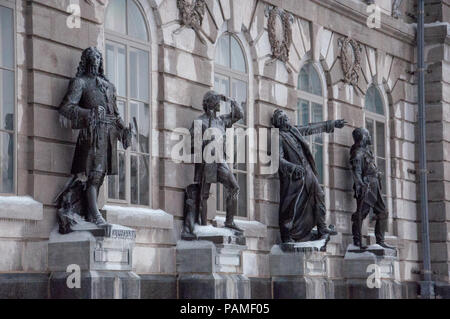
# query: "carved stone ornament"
396 13
350 60
280 33
191 16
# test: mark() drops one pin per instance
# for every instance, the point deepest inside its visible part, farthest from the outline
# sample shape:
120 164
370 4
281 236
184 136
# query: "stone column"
211 267
93 264
299 273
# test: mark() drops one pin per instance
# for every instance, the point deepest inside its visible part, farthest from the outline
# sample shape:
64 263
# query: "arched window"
375 121
231 79
310 110
128 67
7 99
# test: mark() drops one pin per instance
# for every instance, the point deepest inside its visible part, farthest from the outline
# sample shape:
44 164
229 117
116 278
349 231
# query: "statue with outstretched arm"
302 200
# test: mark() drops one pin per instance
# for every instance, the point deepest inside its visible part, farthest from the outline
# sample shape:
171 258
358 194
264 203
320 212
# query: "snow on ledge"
20 207
252 228
138 217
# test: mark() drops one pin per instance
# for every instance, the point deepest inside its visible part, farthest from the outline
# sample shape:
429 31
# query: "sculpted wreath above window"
350 60
280 33
191 16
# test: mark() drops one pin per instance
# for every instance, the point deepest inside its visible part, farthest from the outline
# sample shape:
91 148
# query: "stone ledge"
138 217
251 228
20 207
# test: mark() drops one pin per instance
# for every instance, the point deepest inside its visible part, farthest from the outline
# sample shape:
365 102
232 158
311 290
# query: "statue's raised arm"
321 127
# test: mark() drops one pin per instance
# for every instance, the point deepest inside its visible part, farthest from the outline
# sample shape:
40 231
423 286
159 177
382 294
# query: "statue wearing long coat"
302 201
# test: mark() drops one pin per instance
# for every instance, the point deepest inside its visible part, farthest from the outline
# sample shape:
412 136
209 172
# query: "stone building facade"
162 70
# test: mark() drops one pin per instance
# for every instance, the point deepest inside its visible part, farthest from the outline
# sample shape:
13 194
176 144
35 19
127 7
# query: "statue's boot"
359 244
326 231
384 245
98 219
231 212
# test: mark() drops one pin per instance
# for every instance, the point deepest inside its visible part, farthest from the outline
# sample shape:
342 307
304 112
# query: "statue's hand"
127 137
299 172
340 123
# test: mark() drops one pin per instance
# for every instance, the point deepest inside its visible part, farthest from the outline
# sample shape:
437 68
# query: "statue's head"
362 136
211 101
280 119
91 63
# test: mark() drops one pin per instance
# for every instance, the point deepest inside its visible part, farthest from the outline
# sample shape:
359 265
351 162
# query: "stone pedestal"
93 263
372 273
299 271
211 266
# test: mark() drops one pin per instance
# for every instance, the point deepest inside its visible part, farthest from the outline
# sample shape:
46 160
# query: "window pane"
374 101
303 112
134 116
144 128
136 22
316 86
134 182
237 56
317 116
139 76
239 93
115 16
116 67
6 163
309 80
242 198
7 96
222 86
318 157
6 37
381 142
143 180
112 187
303 81
223 51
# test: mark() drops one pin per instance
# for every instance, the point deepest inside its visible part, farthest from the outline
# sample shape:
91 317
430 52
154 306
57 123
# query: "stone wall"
182 71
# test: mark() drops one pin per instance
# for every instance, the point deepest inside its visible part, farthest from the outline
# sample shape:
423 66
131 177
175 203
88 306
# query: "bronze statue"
302 201
197 194
90 106
367 188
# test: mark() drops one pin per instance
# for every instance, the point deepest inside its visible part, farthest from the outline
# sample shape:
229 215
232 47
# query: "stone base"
216 235
96 285
299 274
372 273
24 286
211 269
100 259
213 286
309 246
158 286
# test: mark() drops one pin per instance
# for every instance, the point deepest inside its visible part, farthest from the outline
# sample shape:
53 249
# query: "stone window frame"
11 5
322 100
131 42
249 116
387 146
